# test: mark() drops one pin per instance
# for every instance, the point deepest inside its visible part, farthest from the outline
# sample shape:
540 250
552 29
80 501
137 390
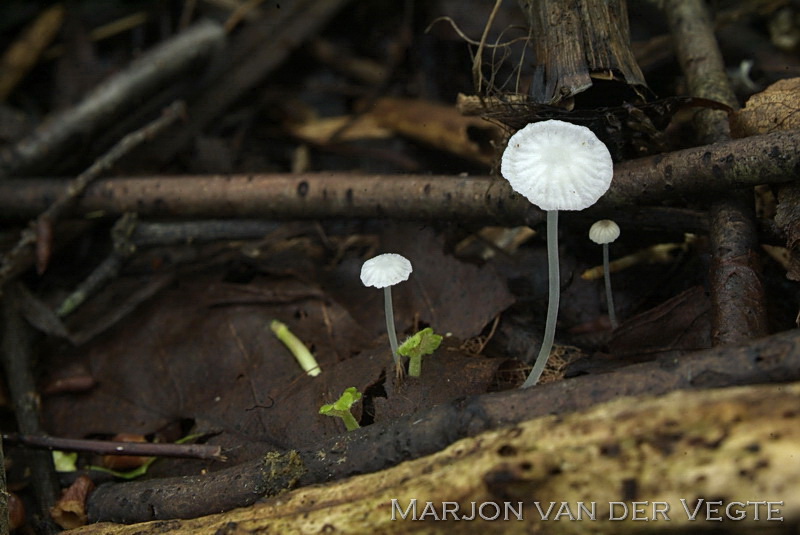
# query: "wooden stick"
692 175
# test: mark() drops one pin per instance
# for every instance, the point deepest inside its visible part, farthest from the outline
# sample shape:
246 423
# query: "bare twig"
108 268
107 103
23 54
113 447
17 361
168 233
737 292
254 53
692 174
154 285
3 495
40 231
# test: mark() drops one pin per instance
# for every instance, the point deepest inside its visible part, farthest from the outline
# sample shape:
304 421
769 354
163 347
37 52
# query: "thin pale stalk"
552 303
612 315
350 422
387 294
415 366
301 353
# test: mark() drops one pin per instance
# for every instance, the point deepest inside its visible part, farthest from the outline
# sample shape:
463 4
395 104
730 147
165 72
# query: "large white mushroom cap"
385 270
604 231
557 165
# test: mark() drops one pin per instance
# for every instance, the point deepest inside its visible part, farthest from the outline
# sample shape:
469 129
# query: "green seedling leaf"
64 462
341 407
130 474
424 342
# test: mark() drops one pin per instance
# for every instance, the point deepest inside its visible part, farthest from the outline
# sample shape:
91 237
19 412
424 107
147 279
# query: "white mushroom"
556 166
384 271
602 233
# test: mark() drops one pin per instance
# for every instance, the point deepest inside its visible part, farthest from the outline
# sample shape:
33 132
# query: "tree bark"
576 43
383 445
738 310
731 445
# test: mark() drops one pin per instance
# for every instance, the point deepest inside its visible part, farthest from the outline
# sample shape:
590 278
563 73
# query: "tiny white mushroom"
556 166
384 271
602 233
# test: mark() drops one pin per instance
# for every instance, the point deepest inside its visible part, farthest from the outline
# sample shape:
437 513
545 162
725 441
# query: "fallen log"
699 461
379 446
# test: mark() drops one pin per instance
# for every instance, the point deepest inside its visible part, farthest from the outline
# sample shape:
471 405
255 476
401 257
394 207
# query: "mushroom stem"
552 302
387 294
612 315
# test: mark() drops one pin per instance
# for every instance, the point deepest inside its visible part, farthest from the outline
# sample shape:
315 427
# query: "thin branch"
690 175
108 102
251 55
737 291
40 231
17 360
113 447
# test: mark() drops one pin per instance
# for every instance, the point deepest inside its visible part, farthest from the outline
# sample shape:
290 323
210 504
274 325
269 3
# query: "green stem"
387 301
612 315
296 347
350 422
552 303
415 366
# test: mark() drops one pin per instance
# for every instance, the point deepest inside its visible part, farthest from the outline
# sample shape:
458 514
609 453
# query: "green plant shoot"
424 342
297 348
341 407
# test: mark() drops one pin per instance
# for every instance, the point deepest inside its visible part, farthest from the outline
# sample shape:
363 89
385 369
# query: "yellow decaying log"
730 445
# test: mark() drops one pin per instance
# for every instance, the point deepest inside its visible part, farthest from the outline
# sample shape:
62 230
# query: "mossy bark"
730 445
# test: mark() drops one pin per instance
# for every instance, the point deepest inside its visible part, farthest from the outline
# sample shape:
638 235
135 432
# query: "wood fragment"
737 291
23 54
578 42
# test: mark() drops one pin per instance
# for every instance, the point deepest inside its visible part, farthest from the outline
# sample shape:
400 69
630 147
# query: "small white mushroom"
384 271
556 166
602 233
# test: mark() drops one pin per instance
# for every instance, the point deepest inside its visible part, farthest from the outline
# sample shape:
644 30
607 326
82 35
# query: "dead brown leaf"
447 374
775 108
204 351
678 324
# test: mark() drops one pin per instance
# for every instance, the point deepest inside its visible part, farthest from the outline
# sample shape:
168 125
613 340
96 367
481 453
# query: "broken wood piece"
17 358
578 43
735 444
738 297
40 231
23 53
